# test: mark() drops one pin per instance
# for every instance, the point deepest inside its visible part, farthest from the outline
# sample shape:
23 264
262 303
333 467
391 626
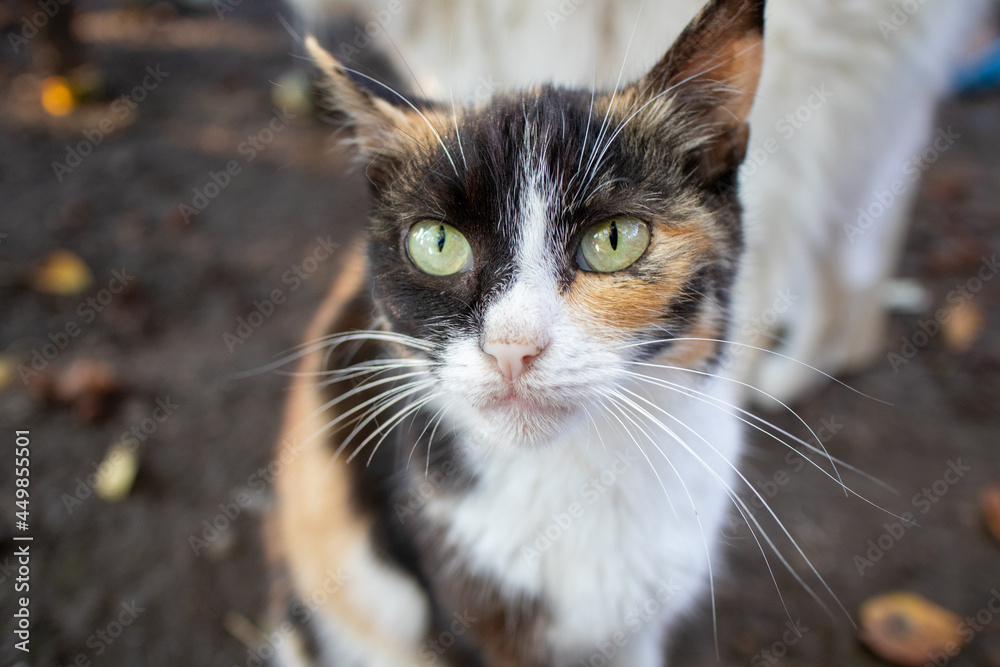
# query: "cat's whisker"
659 95
332 341
374 411
378 409
366 386
611 105
721 404
753 490
613 396
763 553
618 399
410 104
738 502
622 400
430 440
718 403
757 389
388 395
761 349
386 429
451 93
590 115
417 440
343 374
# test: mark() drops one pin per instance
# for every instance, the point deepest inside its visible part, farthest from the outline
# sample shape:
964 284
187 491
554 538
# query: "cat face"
542 242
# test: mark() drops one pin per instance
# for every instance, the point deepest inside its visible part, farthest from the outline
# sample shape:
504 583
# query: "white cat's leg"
645 649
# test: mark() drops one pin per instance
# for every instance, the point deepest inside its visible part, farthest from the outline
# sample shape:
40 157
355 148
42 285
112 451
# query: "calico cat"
510 442
845 109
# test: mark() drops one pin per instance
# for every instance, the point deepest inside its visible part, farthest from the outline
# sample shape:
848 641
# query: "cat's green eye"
438 249
613 245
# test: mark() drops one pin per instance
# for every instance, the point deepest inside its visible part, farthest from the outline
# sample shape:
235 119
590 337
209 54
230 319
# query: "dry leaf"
964 326
117 472
63 273
989 502
6 371
86 385
907 630
57 96
84 378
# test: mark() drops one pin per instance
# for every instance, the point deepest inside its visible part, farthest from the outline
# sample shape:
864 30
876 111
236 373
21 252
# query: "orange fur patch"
608 305
315 530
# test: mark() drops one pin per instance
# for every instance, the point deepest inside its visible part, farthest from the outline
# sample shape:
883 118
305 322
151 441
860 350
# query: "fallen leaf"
989 503
63 273
85 377
906 629
293 93
84 384
6 371
964 326
117 472
57 96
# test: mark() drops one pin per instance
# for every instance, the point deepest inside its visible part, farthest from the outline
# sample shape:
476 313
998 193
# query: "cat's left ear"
710 77
374 121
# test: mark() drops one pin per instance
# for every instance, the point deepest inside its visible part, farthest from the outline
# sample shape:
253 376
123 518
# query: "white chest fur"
612 527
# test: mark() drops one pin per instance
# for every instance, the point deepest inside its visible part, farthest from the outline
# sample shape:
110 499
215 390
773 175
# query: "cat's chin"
517 423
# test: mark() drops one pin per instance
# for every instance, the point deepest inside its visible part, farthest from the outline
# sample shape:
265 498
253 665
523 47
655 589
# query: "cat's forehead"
585 150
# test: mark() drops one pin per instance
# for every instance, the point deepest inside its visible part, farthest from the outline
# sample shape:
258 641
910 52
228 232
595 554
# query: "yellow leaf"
6 371
117 472
57 97
964 326
63 273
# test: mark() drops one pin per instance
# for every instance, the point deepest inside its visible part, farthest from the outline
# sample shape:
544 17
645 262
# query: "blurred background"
171 213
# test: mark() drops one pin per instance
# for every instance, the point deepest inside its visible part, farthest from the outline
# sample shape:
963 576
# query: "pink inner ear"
716 62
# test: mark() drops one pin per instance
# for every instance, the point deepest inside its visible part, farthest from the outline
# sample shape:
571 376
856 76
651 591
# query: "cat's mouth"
514 403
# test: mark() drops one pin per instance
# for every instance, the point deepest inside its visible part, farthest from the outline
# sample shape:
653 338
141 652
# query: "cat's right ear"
709 78
376 122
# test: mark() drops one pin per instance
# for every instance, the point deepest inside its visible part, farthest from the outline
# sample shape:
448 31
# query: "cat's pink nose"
512 358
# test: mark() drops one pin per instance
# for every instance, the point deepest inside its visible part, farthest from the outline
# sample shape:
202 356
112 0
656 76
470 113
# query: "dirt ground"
96 564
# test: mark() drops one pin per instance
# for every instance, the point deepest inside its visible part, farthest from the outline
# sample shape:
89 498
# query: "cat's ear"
710 76
375 121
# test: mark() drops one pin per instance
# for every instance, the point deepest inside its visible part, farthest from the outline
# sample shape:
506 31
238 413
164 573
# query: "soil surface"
166 302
